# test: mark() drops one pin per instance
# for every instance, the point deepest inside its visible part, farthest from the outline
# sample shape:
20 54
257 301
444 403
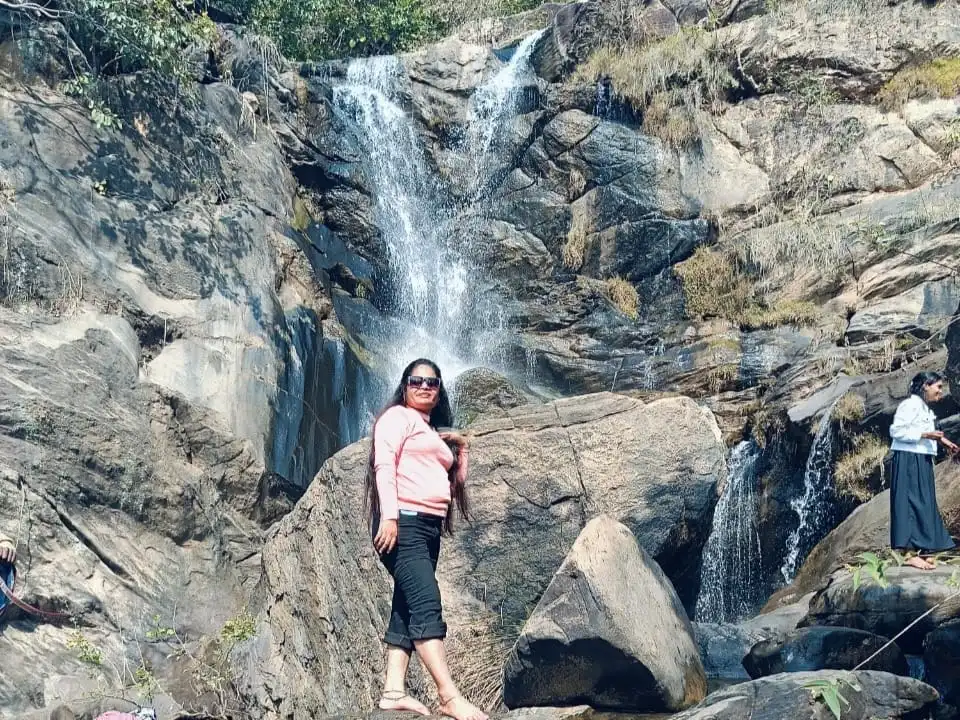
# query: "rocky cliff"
755 205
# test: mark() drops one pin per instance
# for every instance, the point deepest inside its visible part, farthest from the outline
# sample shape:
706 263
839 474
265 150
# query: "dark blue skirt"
915 522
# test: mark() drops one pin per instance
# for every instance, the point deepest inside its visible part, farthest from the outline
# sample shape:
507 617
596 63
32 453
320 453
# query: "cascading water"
435 298
491 106
814 508
731 584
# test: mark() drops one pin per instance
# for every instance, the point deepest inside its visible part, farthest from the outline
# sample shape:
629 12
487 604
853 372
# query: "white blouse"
912 419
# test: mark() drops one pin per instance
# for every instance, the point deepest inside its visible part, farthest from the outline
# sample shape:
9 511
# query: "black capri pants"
416 612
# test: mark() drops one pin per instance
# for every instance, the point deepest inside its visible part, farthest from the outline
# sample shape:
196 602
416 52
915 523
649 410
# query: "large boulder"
538 474
609 631
869 695
824 648
908 595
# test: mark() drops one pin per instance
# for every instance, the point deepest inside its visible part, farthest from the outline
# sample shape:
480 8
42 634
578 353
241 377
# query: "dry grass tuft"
477 652
849 409
938 78
722 377
693 60
786 312
853 469
623 295
669 119
578 240
302 214
576 183
713 286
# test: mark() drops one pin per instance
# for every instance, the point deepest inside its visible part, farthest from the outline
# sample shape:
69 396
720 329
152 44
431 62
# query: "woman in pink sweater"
416 477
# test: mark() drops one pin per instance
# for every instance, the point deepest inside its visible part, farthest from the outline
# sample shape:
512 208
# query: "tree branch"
34 8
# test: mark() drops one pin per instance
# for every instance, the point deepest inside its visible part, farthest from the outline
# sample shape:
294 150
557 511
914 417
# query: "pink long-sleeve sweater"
411 462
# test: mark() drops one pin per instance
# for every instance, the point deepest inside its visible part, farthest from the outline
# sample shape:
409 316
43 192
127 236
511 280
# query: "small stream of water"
731 586
815 507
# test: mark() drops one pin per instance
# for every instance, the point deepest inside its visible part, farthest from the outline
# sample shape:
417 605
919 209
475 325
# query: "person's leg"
416 575
399 650
395 686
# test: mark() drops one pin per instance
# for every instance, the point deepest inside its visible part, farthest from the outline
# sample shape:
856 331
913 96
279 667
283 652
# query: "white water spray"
730 576
813 508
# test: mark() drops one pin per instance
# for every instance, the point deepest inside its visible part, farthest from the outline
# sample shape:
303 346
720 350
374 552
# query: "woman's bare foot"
919 563
401 702
458 708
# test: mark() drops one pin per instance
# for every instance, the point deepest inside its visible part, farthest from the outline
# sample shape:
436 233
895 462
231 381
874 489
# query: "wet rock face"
589 641
824 648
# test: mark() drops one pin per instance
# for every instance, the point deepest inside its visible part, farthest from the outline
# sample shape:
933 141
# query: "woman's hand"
457 439
949 445
934 435
386 539
8 553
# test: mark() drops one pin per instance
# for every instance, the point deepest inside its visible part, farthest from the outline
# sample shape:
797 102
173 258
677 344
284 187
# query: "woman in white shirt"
915 522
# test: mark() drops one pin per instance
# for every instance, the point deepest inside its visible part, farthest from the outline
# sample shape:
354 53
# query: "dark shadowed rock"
823 648
941 659
874 695
609 631
723 645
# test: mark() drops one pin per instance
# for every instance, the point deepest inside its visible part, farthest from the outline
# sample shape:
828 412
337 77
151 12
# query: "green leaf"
832 700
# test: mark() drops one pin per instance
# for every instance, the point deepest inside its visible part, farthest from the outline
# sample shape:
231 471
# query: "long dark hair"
921 380
440 417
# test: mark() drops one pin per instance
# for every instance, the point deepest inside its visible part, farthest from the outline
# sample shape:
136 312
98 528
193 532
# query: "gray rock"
482 391
920 311
859 62
723 646
608 631
443 76
873 695
824 648
511 255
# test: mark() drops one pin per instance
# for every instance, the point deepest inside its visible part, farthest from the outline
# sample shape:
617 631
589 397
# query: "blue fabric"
8 574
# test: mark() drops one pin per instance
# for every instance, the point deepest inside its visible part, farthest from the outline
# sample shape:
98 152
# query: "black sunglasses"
417 381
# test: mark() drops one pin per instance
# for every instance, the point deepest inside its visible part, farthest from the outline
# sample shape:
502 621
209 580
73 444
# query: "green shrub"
119 36
321 29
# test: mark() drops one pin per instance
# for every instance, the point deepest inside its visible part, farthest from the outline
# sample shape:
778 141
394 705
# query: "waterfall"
730 576
492 105
813 508
436 295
